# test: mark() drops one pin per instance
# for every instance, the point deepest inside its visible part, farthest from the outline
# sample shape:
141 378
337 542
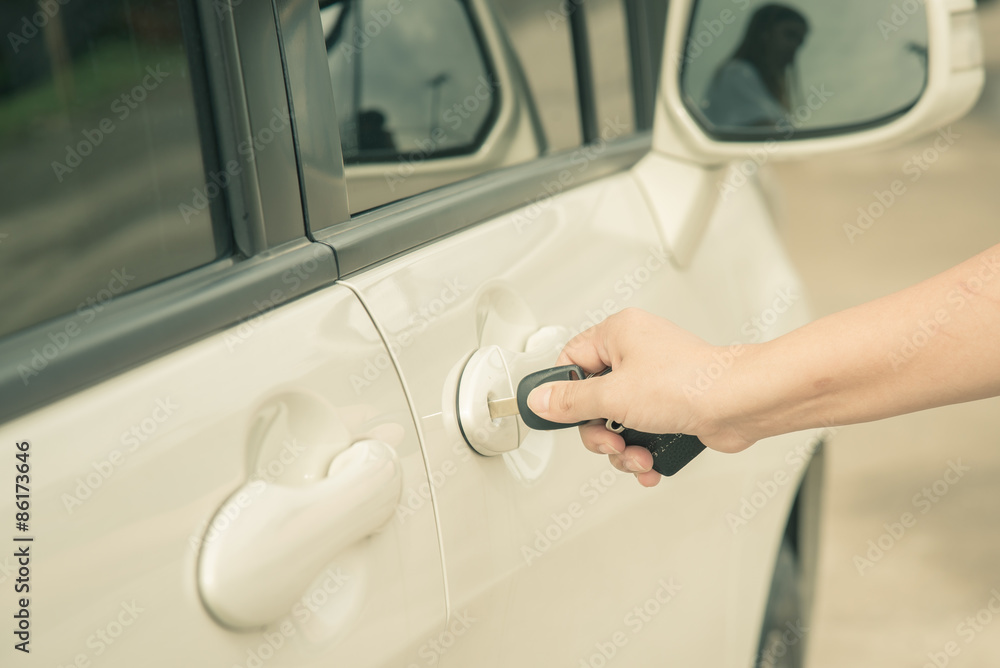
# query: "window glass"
609 49
103 187
540 33
405 75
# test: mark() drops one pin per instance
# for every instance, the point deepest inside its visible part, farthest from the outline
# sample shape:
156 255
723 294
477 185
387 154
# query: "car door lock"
493 411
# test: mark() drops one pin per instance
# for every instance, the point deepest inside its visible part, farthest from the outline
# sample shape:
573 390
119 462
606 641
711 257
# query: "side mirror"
751 75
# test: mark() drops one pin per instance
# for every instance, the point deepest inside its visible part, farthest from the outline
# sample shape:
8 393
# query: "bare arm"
935 343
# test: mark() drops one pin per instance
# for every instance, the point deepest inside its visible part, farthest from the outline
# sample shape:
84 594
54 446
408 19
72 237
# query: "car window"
419 96
438 91
103 187
405 75
540 33
609 48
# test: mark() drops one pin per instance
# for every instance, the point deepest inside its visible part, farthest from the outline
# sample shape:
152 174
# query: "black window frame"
241 65
647 20
368 238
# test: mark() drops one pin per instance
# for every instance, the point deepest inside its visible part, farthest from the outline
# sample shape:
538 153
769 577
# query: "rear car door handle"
252 572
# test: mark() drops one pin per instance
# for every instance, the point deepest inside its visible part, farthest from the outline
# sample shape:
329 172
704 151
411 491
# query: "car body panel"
128 475
610 545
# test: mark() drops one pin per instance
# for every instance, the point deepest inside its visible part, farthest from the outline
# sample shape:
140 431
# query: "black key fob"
671 452
533 380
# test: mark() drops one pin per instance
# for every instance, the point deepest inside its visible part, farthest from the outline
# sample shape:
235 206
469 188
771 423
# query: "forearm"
932 344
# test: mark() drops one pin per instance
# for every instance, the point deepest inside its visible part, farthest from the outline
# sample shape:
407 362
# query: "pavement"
916 595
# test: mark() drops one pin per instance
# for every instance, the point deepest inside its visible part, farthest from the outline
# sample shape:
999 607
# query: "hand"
662 383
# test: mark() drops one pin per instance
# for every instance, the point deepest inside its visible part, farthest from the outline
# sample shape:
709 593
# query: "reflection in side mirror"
755 70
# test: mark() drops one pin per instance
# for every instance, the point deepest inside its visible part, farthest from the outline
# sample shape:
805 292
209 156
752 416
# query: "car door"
550 555
190 477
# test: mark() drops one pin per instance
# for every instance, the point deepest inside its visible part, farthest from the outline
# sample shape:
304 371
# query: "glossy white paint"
681 224
128 475
557 535
955 80
300 528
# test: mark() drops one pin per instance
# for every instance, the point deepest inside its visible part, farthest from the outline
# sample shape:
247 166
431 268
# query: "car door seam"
420 437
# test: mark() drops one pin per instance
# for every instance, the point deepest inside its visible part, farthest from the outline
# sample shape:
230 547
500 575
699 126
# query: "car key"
671 452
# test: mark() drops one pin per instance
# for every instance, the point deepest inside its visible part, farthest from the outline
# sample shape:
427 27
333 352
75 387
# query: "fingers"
633 459
573 400
587 350
638 461
648 479
599 440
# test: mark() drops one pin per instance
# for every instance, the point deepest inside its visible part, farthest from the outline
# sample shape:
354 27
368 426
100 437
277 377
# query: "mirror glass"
753 70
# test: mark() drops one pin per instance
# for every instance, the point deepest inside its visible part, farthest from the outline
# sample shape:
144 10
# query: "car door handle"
251 572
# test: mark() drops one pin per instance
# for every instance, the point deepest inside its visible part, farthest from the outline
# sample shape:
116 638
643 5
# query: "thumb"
571 401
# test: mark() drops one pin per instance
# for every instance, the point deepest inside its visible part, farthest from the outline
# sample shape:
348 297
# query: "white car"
250 248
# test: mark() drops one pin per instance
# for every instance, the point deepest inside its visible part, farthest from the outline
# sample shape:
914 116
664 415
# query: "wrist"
758 396
774 393
725 397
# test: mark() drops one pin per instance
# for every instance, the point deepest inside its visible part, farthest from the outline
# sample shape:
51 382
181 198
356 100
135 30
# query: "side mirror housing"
744 76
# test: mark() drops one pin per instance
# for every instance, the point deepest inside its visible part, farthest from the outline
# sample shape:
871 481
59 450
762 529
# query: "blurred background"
946 568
